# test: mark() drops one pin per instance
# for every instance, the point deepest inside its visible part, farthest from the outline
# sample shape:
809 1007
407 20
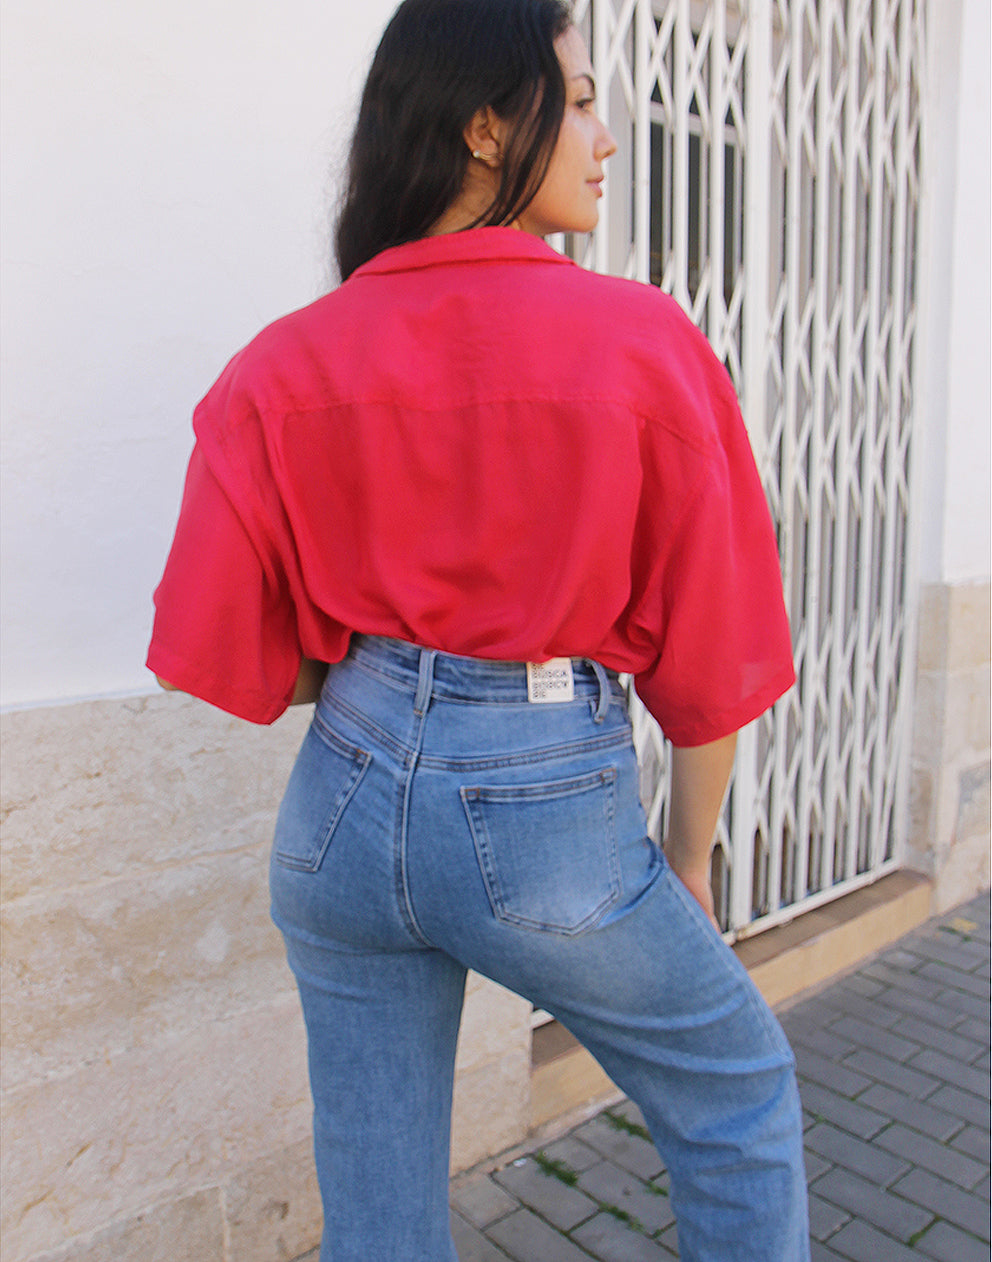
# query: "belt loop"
425 681
604 689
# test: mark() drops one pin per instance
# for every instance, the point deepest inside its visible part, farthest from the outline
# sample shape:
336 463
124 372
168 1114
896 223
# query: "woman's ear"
482 136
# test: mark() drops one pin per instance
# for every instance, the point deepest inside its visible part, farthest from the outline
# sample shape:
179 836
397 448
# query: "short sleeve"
224 628
725 652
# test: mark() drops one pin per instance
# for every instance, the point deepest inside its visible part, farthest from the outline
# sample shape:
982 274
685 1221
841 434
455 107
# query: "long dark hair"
438 63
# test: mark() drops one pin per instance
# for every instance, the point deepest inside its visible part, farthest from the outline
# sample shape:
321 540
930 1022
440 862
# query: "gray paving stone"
826 1006
906 956
962 1104
824 1218
818 1039
939 1038
871 1065
925 1009
975 1143
482 1201
830 1074
610 1240
861 1009
945 949
909 983
973 941
861 985
977 947
626 1150
964 1209
978 1031
847 1114
964 1077
471 1245
955 979
612 1186
865 1035
815 1166
914 1113
527 1238
947 1244
573 1153
820 1253
854 1154
959 1004
863 1243
863 1199
561 1205
939 1159
629 1111
670 1239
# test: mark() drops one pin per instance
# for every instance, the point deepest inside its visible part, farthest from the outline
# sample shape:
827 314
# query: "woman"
479 482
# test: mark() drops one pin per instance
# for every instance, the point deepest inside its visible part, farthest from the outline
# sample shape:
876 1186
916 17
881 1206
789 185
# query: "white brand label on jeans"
551 681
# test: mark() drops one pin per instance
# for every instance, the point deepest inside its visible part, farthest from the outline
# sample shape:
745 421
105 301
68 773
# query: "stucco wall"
154 1088
951 768
954 448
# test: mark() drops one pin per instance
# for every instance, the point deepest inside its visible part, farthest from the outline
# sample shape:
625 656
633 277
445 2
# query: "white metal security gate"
768 176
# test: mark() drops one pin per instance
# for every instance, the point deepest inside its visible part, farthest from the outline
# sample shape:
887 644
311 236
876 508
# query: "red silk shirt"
477 446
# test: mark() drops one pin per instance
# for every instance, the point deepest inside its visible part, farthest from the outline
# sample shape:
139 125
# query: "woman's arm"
309 682
700 775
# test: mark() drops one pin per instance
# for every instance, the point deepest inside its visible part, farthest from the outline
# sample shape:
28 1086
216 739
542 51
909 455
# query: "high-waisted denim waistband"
431 673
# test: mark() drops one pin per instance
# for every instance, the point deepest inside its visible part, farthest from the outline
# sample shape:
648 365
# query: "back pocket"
325 776
547 851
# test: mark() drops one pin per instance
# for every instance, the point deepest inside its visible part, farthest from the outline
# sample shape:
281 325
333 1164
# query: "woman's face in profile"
568 199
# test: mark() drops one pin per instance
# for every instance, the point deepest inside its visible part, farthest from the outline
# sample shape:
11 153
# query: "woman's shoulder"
648 330
281 360
638 299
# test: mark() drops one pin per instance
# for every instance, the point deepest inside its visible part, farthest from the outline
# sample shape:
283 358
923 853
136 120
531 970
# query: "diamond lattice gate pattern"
768 176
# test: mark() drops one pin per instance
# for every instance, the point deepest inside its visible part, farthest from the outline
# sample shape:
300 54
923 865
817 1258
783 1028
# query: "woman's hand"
696 879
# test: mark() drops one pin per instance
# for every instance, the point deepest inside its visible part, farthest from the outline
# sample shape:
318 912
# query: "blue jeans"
437 821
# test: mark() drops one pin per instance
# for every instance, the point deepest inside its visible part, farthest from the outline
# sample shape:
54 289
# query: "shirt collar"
474 245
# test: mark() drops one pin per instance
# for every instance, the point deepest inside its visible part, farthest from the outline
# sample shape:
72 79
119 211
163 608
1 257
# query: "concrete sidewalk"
894 1075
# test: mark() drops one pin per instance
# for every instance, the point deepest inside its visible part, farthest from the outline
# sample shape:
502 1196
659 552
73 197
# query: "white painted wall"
955 451
967 518
167 190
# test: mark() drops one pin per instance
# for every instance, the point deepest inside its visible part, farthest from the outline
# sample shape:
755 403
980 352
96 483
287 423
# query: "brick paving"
893 1066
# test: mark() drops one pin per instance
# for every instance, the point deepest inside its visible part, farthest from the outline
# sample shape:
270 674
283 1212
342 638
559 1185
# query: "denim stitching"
547 753
619 739
361 760
424 689
485 846
402 752
515 690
